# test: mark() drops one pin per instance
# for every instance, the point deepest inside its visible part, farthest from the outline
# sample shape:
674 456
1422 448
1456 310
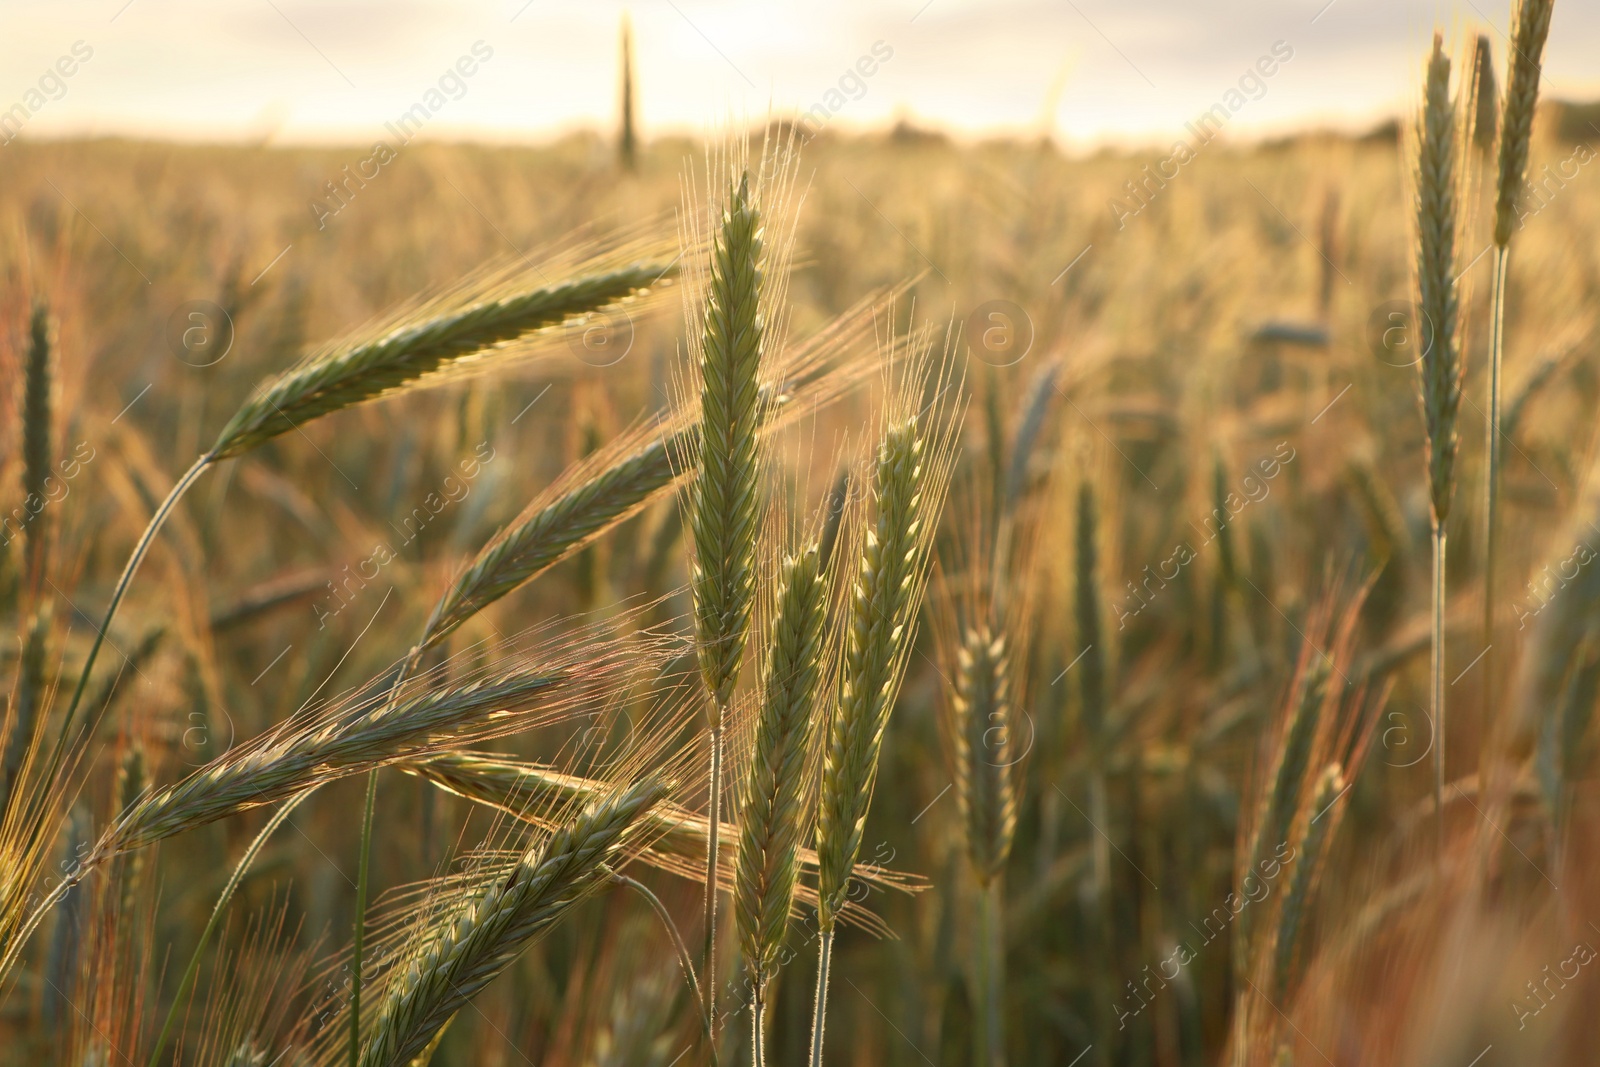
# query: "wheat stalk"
1530 28
771 817
1440 367
477 941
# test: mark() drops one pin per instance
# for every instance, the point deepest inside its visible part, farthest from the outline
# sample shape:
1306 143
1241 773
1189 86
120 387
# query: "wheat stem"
989 1036
819 1011
359 934
239 871
1436 685
1502 264
708 958
677 941
140 549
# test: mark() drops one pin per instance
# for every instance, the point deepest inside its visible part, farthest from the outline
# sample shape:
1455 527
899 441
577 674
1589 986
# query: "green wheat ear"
1438 297
983 758
350 374
882 613
725 506
477 942
1530 28
771 818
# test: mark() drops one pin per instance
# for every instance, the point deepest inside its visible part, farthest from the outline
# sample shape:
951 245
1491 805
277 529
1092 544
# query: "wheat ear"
348 374
1440 366
985 794
550 531
1290 947
771 816
1530 27
476 942
283 766
37 429
351 373
983 714
725 506
882 615
1287 779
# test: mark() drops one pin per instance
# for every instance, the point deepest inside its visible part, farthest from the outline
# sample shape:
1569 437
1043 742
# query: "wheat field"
863 599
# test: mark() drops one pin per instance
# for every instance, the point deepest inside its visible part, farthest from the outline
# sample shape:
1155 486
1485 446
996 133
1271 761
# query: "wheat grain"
725 507
548 532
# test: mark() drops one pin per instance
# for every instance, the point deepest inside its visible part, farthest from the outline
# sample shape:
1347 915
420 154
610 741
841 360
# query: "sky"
1088 72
